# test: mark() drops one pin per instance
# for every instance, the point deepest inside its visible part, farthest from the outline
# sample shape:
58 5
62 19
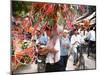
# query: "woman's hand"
43 51
52 50
47 50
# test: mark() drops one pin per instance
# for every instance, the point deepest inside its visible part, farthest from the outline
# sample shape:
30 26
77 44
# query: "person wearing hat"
64 47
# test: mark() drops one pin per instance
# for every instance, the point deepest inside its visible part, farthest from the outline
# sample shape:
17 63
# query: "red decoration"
69 24
50 9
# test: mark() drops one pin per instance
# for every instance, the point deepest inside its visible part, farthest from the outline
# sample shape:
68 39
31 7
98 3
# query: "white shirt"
83 35
79 30
51 58
75 38
91 35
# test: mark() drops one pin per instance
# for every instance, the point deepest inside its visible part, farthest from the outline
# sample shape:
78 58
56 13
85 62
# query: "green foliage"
25 45
50 22
12 52
26 59
20 8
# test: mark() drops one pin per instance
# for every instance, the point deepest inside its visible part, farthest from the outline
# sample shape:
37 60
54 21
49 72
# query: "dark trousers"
75 55
91 49
59 66
52 67
63 62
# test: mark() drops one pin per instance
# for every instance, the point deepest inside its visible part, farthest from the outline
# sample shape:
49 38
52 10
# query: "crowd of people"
52 44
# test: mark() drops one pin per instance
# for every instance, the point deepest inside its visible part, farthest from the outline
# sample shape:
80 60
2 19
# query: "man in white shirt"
92 41
76 40
91 35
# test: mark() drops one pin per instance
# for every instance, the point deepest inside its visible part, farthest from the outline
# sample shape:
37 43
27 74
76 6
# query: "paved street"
89 63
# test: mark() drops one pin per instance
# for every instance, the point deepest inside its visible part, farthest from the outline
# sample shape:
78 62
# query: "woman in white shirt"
53 47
